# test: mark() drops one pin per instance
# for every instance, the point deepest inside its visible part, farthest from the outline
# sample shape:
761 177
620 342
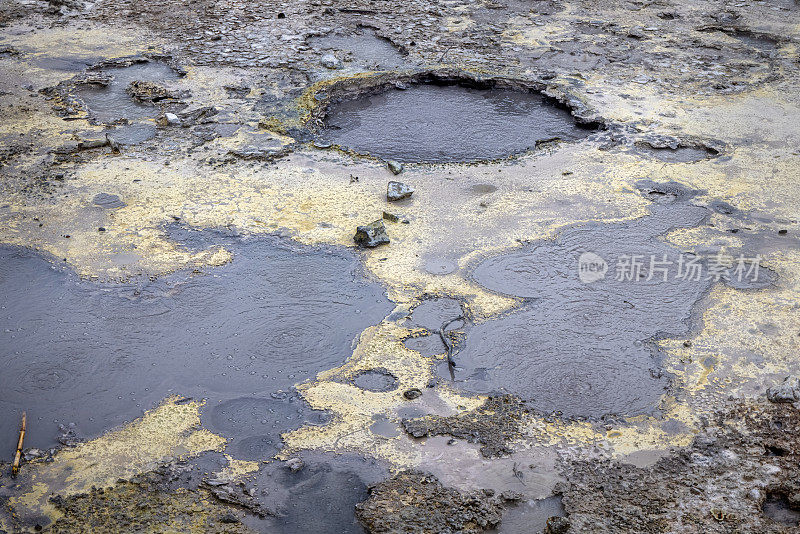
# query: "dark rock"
557 525
229 518
398 191
394 166
417 502
391 217
371 235
493 425
412 394
787 391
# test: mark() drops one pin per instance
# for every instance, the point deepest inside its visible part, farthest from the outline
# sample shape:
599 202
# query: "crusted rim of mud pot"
316 100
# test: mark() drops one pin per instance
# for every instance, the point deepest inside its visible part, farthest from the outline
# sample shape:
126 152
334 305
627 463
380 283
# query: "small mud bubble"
377 380
440 266
447 123
108 201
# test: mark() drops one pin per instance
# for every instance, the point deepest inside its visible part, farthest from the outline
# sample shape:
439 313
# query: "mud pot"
447 123
408 266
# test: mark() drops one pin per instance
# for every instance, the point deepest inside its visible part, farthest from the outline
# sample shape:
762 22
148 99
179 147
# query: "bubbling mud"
447 123
580 345
99 354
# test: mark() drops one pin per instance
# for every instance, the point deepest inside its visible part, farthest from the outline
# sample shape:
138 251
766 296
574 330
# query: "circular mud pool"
430 123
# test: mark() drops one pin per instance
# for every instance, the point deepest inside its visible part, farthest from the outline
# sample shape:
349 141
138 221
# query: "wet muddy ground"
579 321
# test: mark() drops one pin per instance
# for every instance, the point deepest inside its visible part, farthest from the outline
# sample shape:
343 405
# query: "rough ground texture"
218 132
720 483
493 424
142 507
418 502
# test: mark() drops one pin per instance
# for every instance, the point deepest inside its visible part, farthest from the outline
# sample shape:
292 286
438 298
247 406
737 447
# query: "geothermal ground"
371 266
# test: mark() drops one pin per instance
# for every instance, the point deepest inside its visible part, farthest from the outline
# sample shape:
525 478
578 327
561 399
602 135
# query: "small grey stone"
787 391
395 166
391 217
329 61
398 191
557 525
295 464
172 119
372 234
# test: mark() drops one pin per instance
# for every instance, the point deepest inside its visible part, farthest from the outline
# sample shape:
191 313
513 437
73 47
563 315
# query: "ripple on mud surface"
100 354
580 347
434 123
256 423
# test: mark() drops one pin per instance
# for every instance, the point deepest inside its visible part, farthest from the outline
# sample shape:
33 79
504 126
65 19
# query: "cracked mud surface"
170 196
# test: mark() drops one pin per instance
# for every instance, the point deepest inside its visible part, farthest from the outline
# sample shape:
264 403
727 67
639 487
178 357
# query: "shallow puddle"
436 123
111 103
594 297
99 354
363 48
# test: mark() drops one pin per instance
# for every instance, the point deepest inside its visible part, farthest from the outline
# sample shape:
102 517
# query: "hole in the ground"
108 93
778 508
448 120
680 154
378 380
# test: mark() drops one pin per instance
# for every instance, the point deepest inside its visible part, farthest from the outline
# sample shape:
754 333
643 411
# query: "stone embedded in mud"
493 424
557 525
787 391
715 485
391 217
417 502
329 61
413 393
371 235
395 166
398 191
144 91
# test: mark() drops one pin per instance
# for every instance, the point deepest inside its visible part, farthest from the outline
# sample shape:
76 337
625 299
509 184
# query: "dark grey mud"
240 335
360 49
447 123
580 345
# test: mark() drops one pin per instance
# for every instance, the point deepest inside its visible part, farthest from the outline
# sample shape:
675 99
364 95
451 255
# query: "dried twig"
18 455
